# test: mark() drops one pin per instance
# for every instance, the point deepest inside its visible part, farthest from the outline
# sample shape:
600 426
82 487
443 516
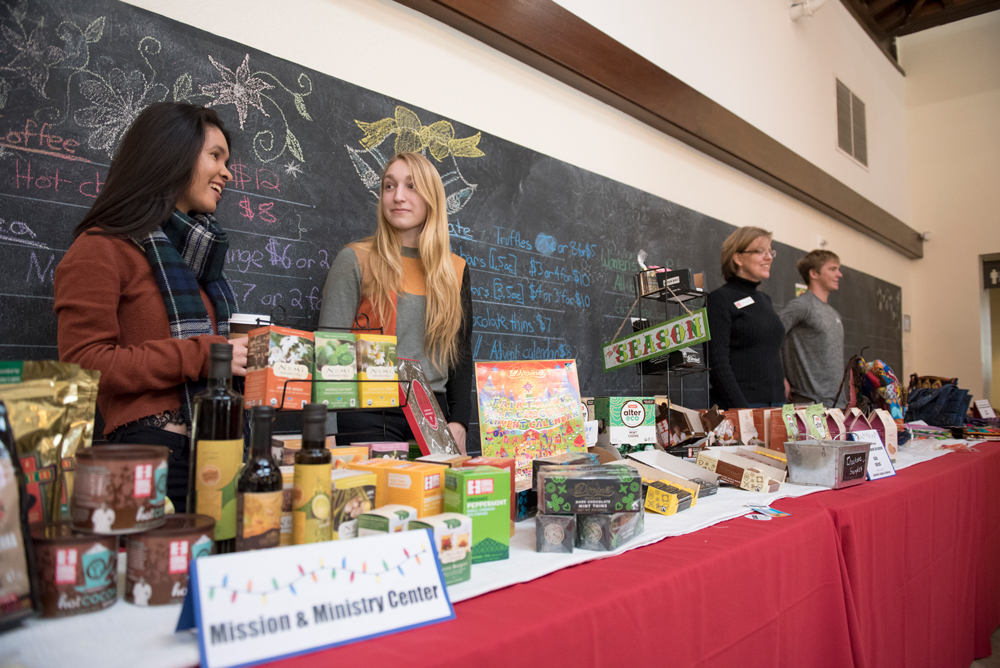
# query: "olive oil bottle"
258 493
311 489
217 448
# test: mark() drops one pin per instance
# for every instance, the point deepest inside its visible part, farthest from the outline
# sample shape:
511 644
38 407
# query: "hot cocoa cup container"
158 560
119 489
77 573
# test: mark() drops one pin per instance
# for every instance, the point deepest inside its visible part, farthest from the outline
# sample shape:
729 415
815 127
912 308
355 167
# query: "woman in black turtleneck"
746 333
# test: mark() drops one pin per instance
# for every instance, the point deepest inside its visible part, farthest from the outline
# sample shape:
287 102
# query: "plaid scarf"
186 253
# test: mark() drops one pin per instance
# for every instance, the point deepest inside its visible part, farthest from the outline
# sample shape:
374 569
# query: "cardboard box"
630 420
336 358
587 404
451 461
741 472
745 453
287 494
666 499
423 414
500 463
453 534
606 488
555 533
289 444
276 355
883 423
347 454
482 493
771 455
525 502
379 468
377 362
605 533
387 519
351 493
417 485
707 481
562 459
650 475
397 450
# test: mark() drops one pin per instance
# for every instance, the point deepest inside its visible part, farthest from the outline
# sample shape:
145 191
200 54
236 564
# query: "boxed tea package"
351 493
276 355
336 360
342 455
605 533
377 362
288 444
741 472
625 420
483 494
563 459
501 463
453 534
417 485
423 414
451 461
387 519
666 499
398 450
606 488
555 533
379 468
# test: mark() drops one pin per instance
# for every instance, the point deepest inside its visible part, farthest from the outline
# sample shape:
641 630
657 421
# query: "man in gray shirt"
812 352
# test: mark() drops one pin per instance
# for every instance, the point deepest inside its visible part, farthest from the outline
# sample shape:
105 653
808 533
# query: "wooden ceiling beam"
544 35
928 16
876 7
864 18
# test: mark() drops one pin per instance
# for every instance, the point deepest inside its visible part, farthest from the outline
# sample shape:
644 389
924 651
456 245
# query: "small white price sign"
879 464
252 607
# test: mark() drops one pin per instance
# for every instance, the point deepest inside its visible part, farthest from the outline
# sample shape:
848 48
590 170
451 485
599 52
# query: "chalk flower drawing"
413 136
244 90
34 57
117 101
240 88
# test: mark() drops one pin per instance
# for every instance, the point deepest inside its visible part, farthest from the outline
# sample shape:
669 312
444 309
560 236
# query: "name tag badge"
743 302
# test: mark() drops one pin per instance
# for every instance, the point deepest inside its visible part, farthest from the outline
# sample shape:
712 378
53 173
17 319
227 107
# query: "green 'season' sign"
666 337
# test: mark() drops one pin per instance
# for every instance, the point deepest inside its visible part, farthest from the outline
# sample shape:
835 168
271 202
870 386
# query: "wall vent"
852 132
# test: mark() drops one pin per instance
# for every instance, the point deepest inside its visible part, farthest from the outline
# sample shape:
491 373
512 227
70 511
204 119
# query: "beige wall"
953 134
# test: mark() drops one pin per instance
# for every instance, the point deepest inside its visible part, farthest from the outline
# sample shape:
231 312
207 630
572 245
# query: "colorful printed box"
387 519
423 414
379 468
741 472
348 454
605 533
483 494
666 499
606 488
417 485
336 359
377 362
351 494
500 463
453 534
451 461
563 459
630 420
276 355
289 444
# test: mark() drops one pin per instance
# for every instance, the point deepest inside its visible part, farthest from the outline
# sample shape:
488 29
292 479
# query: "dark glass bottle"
217 448
311 491
18 577
259 491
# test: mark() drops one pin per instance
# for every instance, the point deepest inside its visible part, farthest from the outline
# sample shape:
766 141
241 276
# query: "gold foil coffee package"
18 583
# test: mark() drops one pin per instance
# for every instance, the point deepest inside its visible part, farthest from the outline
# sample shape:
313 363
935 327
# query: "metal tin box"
827 463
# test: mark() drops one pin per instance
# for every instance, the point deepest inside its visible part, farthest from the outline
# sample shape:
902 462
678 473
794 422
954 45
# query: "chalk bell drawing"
411 135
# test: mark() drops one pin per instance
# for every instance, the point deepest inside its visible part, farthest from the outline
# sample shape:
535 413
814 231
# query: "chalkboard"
552 247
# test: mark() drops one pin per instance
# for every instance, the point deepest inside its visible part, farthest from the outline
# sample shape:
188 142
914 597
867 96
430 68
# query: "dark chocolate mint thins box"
589 490
605 533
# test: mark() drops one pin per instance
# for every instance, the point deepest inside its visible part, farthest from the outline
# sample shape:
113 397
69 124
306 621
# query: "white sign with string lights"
252 607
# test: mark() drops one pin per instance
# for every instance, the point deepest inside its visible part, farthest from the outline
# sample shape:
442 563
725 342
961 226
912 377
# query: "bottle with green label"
311 488
258 492
217 448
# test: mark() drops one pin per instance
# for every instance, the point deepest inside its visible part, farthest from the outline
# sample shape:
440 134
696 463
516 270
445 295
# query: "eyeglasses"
762 252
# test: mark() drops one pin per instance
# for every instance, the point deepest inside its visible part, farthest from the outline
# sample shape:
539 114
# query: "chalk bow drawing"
245 90
413 136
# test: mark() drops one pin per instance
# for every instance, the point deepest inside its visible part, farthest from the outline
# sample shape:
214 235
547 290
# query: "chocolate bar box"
605 533
555 533
666 499
564 459
589 490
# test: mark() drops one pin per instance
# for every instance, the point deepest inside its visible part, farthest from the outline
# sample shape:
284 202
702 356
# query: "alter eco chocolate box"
629 420
483 494
336 359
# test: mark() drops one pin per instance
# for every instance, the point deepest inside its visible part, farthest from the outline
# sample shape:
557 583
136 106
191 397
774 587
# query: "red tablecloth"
899 573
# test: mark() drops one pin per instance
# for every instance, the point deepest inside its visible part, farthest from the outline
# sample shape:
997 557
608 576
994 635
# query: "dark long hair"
153 166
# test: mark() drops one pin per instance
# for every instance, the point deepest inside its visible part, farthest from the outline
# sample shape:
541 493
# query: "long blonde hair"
444 304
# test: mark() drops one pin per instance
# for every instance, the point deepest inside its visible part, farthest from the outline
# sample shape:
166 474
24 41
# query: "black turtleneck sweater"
745 349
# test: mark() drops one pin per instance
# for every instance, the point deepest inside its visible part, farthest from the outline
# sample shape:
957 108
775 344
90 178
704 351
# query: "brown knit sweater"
112 318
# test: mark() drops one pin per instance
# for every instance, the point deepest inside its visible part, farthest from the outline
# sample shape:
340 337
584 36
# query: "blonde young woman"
406 280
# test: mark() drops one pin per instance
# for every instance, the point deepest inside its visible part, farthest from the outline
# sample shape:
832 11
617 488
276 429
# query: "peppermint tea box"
482 493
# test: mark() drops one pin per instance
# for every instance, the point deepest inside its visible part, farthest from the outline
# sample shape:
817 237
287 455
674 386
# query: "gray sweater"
812 352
